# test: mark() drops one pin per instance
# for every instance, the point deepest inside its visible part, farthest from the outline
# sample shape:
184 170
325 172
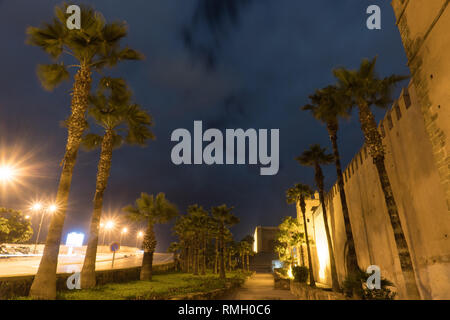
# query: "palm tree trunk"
216 260
203 271
376 149
312 282
248 263
399 236
334 278
103 171
195 272
185 259
222 254
149 245
189 257
44 283
352 259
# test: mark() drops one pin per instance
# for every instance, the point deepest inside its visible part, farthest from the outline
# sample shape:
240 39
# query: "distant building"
264 239
263 245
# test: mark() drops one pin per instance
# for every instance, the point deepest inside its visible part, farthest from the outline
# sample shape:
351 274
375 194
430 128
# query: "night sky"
252 67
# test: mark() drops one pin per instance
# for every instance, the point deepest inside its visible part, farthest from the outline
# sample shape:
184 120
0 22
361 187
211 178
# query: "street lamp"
108 226
7 173
38 207
139 235
124 231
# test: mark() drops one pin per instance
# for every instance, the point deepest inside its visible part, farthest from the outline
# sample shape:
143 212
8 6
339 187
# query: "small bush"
355 286
300 274
282 272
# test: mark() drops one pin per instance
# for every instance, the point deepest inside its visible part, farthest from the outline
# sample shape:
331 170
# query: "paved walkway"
260 287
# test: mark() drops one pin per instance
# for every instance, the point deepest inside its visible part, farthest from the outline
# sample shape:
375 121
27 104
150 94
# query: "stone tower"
424 28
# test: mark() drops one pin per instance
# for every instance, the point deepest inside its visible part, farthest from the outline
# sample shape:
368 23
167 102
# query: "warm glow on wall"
289 273
322 246
255 241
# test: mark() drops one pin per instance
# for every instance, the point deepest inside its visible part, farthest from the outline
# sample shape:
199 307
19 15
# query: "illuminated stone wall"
424 28
420 197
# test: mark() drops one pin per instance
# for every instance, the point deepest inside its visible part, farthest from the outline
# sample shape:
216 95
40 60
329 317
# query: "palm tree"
95 46
365 88
152 210
122 122
232 251
200 220
175 248
297 195
224 219
248 240
314 157
183 229
328 105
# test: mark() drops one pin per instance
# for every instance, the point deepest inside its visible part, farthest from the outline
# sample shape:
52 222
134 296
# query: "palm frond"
52 75
91 141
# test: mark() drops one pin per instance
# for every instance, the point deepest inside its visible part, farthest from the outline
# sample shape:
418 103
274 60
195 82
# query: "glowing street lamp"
52 208
124 231
107 227
38 207
140 234
7 173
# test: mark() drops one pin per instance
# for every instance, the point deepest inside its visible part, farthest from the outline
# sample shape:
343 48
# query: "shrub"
300 274
282 272
355 286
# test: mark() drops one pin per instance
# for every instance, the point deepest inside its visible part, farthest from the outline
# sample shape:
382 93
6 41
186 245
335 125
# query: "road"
21 266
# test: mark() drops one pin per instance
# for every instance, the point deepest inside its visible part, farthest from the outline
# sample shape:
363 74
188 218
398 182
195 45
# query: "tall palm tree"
175 248
314 157
224 218
328 105
122 122
200 220
95 46
151 210
297 195
248 240
366 88
183 229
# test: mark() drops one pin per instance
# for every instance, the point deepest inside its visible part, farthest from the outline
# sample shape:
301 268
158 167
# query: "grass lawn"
163 286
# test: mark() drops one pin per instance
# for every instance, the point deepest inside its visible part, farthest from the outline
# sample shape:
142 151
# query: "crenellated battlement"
392 117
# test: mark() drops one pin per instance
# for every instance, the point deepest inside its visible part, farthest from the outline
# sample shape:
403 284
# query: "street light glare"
109 225
124 230
36 207
52 208
7 173
140 234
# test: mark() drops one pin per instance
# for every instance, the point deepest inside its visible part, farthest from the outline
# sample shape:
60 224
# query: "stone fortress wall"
414 134
420 198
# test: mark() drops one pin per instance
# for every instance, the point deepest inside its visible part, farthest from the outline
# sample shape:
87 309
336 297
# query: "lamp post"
38 207
108 226
124 231
139 235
